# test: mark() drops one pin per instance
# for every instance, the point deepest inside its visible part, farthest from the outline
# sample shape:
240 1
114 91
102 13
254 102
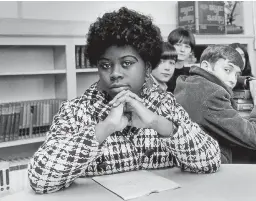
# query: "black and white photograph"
128 100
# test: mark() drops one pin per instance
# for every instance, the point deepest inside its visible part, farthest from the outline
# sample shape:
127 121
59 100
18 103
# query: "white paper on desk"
134 184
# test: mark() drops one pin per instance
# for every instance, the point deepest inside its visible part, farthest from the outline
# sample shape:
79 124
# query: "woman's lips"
118 86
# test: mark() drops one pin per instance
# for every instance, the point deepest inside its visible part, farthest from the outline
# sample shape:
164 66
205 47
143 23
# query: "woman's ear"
148 69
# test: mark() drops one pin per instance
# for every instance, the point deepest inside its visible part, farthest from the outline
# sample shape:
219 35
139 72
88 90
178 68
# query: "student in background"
207 96
165 69
120 123
246 76
184 43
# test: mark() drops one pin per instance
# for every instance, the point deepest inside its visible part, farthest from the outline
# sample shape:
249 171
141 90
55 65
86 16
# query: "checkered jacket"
71 149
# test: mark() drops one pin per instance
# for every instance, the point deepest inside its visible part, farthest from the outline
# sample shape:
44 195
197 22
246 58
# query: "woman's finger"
126 93
134 96
124 99
120 94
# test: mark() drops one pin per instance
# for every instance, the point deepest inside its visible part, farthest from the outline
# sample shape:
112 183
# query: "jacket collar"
195 70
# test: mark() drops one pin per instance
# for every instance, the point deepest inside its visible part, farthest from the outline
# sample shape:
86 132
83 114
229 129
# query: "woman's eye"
105 65
126 63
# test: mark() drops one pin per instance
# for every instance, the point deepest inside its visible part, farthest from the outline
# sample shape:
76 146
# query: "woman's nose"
116 73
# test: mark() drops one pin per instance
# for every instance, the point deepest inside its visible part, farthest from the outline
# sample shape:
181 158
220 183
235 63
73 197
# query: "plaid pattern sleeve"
69 147
195 151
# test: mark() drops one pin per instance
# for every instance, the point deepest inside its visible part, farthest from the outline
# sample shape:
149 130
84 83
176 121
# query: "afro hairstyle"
124 27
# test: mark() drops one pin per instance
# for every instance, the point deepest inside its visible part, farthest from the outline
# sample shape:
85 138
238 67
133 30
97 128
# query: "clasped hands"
127 109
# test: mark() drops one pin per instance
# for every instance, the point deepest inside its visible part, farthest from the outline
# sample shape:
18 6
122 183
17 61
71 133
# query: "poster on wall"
202 17
211 17
187 15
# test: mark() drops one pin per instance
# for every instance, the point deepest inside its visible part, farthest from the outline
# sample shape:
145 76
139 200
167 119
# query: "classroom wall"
163 13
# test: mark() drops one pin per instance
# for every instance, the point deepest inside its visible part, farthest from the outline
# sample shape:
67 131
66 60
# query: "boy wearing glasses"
184 43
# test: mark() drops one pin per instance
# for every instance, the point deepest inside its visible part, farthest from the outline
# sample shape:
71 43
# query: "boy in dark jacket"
207 96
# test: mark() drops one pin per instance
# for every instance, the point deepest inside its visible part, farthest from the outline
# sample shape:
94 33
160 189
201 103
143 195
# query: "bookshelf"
36 68
43 72
21 142
85 73
89 70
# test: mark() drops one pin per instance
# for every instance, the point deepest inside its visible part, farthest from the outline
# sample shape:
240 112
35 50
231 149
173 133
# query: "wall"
84 12
8 9
163 13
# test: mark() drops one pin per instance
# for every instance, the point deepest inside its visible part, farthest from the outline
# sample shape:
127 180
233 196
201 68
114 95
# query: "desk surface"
231 182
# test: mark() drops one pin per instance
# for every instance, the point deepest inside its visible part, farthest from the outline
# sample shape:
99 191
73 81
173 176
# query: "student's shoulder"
85 98
166 96
219 97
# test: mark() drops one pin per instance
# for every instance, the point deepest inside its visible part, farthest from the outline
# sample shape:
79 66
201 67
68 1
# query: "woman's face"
241 52
121 68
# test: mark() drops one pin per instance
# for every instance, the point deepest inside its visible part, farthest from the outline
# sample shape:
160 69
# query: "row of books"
243 100
27 119
13 175
81 59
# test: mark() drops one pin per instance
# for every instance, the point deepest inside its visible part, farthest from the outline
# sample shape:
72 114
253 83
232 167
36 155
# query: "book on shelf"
82 57
4 177
244 106
82 61
13 175
242 94
26 119
243 100
77 56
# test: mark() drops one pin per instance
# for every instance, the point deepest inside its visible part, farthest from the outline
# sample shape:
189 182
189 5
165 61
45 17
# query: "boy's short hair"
181 35
169 52
215 52
247 67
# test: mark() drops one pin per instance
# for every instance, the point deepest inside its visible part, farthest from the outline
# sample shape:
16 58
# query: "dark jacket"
209 103
171 84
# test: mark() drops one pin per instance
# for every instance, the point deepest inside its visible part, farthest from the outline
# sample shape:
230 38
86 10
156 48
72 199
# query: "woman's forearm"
104 129
163 126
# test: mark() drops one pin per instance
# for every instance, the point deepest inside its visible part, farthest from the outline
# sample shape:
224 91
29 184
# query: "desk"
232 182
